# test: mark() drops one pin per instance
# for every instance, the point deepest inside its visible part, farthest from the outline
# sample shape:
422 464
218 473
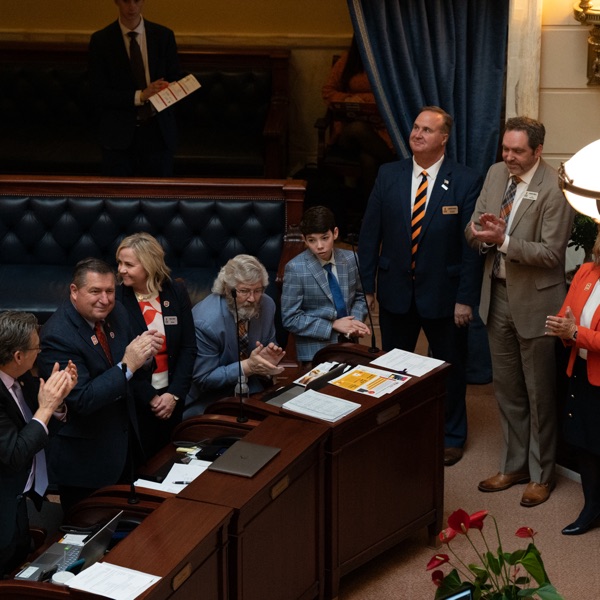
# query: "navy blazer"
448 271
19 443
179 332
90 449
114 88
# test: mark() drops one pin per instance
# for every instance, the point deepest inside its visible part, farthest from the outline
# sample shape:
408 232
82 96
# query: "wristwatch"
176 398
574 336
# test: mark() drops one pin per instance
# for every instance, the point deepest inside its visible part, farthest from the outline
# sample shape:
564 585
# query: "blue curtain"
450 53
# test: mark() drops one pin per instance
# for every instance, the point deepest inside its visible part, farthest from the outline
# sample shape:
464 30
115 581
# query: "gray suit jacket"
535 261
307 307
216 368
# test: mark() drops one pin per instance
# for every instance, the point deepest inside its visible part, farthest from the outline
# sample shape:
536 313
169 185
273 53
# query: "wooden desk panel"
185 543
276 532
384 465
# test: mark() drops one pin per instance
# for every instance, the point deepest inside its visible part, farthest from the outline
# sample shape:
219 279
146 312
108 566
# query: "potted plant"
497 575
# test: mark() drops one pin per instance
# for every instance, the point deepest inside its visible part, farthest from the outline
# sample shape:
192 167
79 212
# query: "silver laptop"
61 556
461 595
244 458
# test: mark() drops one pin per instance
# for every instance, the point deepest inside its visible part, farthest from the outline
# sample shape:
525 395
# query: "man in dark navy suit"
99 443
135 139
26 407
428 278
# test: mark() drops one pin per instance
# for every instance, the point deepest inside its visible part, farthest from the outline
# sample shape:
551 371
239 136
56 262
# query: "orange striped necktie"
418 213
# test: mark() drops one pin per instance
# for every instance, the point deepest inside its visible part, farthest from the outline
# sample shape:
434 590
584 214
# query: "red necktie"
103 341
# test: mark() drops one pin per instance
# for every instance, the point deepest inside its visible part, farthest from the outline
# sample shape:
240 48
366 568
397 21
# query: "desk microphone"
242 385
351 237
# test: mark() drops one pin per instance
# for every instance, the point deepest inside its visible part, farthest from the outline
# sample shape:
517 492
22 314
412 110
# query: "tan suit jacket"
535 261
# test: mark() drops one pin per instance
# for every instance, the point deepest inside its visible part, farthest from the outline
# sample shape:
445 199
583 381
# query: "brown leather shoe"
452 456
536 493
502 481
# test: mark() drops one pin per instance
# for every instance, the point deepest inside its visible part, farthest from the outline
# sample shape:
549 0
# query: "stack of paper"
321 406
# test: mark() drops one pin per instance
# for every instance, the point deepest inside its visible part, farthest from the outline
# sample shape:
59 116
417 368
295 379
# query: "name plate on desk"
244 458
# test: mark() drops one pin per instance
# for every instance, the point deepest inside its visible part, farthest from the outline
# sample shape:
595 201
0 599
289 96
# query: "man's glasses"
246 292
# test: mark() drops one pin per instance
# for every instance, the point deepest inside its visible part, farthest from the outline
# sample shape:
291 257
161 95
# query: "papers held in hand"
244 458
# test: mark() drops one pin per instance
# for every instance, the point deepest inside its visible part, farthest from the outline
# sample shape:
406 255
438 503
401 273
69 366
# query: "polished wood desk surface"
384 464
230 490
276 531
184 542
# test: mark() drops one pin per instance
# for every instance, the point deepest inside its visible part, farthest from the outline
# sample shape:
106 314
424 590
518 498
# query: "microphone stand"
239 387
373 349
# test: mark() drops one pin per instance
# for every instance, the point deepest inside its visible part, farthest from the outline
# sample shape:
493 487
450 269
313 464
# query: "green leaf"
494 564
546 592
450 583
532 561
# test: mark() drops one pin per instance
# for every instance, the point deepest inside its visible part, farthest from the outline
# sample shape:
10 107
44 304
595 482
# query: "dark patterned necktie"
418 213
243 337
336 292
505 210
103 341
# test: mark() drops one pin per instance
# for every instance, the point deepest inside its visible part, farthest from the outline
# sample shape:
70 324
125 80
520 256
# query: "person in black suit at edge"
155 301
130 60
26 406
99 443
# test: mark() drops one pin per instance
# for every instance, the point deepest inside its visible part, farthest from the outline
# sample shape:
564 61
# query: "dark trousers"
148 155
15 552
447 342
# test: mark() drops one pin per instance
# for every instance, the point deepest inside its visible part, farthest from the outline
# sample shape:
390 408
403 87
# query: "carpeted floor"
572 563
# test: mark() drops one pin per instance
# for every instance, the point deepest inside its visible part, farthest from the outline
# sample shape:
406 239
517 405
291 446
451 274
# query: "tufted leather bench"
235 125
47 224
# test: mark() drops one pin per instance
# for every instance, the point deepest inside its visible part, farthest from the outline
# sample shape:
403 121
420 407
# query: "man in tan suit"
522 223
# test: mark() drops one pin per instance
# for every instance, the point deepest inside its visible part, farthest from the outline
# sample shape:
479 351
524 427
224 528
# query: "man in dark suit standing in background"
130 61
522 224
412 241
99 443
26 407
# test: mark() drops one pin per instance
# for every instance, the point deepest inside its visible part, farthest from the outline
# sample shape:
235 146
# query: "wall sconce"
579 180
586 14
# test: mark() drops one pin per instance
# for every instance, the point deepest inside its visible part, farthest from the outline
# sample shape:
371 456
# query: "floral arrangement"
500 575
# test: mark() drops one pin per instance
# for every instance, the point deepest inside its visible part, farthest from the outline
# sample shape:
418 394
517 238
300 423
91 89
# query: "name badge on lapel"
530 196
170 320
449 210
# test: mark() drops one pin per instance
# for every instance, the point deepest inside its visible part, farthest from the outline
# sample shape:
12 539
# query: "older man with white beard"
243 281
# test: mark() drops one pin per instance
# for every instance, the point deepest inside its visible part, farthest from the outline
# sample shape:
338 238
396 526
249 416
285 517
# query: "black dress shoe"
452 456
577 528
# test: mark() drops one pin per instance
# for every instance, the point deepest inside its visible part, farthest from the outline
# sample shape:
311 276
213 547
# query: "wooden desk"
384 467
276 532
185 543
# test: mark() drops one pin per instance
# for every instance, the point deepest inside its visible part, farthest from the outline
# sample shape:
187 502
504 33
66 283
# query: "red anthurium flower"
460 521
437 577
446 535
525 532
477 518
437 561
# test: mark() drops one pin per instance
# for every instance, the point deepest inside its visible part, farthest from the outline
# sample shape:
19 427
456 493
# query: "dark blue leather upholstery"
42 237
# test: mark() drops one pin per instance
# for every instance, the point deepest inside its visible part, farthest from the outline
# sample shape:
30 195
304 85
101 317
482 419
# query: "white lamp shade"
583 171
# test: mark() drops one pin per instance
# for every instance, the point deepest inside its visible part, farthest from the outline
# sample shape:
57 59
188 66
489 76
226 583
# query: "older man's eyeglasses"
247 292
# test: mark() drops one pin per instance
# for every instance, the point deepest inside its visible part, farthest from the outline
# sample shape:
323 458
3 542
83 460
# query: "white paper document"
321 406
407 362
369 381
315 372
178 477
113 581
176 91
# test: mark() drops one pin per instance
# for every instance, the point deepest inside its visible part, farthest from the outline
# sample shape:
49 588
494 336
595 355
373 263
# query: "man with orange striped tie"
413 246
